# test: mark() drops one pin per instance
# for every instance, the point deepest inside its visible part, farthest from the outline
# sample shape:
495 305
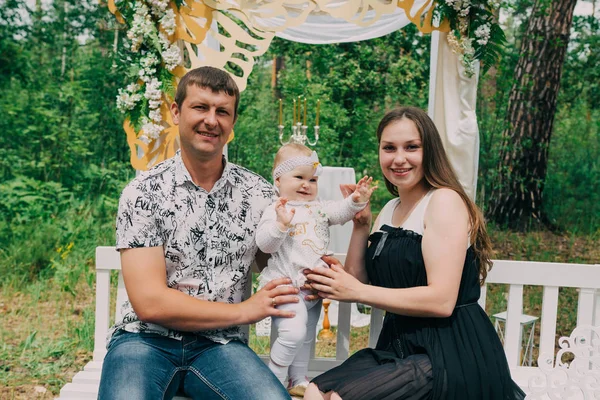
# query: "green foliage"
491 54
28 200
59 120
572 189
13 61
57 244
475 31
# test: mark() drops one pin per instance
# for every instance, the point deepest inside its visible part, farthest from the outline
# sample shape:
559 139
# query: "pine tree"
517 194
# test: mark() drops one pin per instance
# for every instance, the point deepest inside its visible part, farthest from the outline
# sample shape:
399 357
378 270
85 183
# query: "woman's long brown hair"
439 174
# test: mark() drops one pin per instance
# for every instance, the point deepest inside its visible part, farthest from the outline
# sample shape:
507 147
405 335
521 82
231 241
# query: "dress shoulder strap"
386 213
416 220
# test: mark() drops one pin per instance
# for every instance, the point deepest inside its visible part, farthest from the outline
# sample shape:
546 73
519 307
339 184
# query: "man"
185 230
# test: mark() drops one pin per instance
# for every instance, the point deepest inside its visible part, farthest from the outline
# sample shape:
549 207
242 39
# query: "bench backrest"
552 276
514 273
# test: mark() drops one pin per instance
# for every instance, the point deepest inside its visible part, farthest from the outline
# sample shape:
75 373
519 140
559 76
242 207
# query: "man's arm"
144 274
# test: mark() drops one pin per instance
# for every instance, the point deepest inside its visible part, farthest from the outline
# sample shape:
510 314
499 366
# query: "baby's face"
299 184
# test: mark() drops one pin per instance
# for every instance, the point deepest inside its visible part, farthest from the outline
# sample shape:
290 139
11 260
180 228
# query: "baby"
295 231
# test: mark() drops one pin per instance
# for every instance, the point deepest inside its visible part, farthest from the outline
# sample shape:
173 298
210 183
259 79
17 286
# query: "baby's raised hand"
284 217
363 190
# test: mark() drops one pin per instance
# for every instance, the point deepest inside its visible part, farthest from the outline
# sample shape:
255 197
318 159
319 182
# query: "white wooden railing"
552 276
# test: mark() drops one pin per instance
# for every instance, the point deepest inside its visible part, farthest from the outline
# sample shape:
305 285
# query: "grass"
46 335
46 328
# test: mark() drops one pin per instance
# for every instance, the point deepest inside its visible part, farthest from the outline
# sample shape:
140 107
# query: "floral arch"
162 34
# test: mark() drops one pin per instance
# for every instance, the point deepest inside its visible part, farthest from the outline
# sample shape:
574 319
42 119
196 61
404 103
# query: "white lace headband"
289 164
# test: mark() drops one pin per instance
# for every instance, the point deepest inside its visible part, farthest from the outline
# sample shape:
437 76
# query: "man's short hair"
212 78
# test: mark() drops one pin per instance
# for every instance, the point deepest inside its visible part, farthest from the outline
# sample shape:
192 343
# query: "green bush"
572 191
47 232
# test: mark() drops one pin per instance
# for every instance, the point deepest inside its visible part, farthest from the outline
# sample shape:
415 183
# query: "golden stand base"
326 333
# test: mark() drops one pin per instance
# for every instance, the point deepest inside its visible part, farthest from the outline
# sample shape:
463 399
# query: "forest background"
64 157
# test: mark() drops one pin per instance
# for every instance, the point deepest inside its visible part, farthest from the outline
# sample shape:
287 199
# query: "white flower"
151 130
459 4
158 6
155 115
141 26
467 45
154 104
143 75
133 87
149 60
153 91
168 21
463 25
172 57
126 101
483 34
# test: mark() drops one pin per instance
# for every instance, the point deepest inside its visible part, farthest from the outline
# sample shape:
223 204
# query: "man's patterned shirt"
208 238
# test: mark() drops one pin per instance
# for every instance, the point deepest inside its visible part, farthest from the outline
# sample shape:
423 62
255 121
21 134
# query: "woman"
423 264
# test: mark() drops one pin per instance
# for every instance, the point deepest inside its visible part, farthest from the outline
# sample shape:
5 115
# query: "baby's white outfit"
303 244
292 251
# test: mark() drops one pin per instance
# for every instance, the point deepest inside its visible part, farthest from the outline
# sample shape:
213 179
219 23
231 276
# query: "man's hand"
264 303
284 217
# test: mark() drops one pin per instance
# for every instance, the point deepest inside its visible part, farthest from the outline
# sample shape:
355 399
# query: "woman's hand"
314 294
334 282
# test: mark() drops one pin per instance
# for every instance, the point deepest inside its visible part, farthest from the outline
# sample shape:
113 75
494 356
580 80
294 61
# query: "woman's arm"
444 247
355 257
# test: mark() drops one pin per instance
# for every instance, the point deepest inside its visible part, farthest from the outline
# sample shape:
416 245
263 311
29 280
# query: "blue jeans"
146 366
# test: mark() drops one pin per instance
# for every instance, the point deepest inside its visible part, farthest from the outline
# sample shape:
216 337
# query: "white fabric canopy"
324 29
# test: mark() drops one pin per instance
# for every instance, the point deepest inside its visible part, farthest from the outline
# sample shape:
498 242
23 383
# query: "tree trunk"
517 194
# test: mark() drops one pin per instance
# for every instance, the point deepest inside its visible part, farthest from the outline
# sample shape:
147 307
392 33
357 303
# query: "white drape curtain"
452 101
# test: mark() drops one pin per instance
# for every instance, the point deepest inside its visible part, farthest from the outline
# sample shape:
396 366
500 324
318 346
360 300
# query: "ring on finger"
273 302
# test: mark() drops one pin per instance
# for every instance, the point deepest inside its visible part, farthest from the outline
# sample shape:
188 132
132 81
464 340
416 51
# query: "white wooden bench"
514 273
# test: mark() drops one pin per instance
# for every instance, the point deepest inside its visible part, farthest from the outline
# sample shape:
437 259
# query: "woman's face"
401 154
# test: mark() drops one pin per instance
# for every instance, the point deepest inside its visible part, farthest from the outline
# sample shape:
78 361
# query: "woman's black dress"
459 357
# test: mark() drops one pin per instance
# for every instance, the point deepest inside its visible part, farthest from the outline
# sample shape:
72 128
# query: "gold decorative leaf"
193 21
235 46
423 16
113 9
261 14
145 155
